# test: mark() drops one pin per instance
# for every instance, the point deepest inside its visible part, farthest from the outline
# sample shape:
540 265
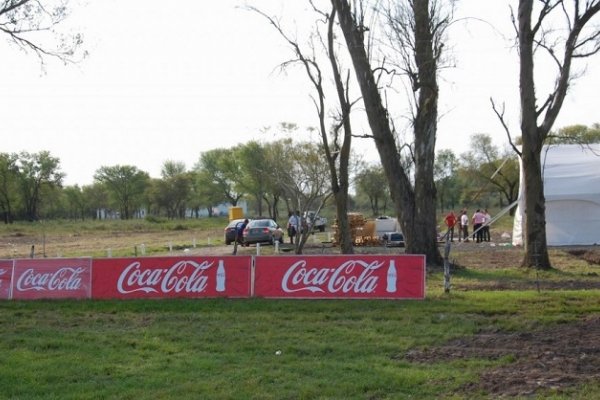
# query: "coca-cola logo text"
184 276
340 279
66 278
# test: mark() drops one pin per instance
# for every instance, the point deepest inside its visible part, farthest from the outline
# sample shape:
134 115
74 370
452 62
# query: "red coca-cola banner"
168 277
55 278
6 271
344 276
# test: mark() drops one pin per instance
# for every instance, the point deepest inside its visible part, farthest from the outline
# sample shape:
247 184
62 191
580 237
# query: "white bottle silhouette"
221 277
391 277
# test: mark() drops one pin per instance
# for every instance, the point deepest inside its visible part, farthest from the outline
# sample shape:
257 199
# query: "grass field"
227 349
540 329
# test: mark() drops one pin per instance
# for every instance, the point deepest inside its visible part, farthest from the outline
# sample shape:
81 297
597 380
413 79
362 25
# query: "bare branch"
22 19
10 7
546 104
546 9
550 50
500 115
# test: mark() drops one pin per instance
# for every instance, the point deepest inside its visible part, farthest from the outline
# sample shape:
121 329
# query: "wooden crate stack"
362 231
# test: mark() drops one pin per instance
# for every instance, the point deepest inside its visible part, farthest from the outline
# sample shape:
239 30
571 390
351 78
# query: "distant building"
218 211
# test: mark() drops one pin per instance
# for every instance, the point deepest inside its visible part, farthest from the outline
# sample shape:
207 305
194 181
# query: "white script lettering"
184 276
343 278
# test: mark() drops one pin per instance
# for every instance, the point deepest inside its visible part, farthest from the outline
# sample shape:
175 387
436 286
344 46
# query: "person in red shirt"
450 221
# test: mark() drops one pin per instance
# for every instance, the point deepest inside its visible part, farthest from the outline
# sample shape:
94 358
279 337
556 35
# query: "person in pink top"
478 220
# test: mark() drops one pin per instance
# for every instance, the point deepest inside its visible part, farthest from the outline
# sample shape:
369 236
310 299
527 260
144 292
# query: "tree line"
272 178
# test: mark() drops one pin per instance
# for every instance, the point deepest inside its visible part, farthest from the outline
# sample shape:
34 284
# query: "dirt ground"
547 359
553 358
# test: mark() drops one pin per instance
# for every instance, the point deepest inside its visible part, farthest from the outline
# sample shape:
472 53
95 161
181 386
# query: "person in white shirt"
293 224
464 226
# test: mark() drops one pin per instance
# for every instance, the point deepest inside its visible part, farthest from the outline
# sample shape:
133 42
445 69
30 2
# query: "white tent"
572 190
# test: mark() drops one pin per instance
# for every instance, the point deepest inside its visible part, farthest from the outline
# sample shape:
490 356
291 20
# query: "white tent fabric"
572 191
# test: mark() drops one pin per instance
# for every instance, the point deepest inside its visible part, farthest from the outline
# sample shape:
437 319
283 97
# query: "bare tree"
29 23
419 28
304 180
538 34
337 141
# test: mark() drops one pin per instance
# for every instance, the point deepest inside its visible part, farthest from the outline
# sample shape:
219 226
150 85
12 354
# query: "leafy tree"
75 202
96 197
223 171
254 173
371 182
9 174
126 185
174 189
276 160
37 172
206 192
446 179
486 166
575 134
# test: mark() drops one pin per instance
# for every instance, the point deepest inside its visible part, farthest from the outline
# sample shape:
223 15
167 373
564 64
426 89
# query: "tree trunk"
414 221
341 202
536 248
425 131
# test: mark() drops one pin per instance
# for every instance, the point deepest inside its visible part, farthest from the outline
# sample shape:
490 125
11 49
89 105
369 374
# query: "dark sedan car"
230 230
262 231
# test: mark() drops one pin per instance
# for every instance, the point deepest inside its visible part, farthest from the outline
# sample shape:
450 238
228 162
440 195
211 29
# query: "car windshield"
261 223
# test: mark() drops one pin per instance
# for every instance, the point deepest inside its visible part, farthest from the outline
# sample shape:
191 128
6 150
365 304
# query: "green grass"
226 349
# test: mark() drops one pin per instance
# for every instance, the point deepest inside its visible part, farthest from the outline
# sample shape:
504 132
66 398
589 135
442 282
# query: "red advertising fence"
168 277
57 278
300 277
6 271
328 277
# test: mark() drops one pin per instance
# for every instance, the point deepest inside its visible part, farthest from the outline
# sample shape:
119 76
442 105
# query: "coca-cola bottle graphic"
391 277
221 277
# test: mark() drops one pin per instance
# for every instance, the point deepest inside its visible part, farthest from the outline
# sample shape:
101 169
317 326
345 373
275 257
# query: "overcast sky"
167 83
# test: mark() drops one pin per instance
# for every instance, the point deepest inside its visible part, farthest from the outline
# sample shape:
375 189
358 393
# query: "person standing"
239 231
478 219
464 226
450 221
486 225
293 224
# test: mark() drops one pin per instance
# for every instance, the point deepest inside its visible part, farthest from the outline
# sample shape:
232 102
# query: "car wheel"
322 228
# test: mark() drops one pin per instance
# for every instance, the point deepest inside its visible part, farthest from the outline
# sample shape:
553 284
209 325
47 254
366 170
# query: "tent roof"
571 172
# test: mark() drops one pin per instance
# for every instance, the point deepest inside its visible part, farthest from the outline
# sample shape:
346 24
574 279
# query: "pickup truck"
317 221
